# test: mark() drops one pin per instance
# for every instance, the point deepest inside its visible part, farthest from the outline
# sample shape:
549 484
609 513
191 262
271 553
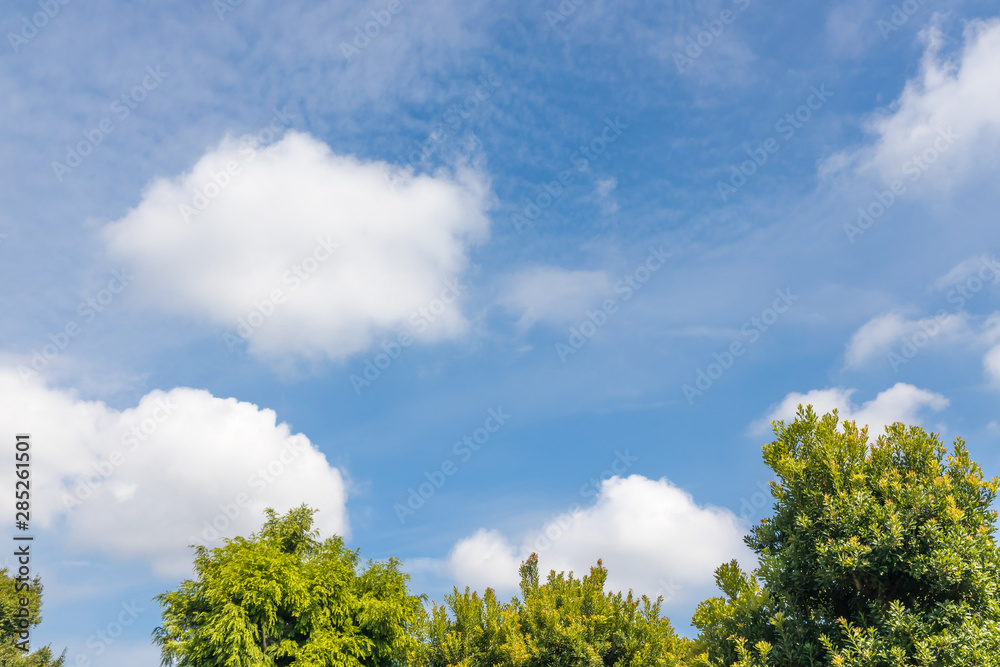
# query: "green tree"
11 616
878 554
282 598
565 622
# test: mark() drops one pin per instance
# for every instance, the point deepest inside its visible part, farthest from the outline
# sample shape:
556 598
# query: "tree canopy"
877 554
282 597
10 618
565 622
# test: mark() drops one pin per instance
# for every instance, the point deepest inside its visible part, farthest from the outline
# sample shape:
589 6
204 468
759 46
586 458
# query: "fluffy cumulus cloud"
552 295
181 467
947 118
653 537
900 403
301 252
486 559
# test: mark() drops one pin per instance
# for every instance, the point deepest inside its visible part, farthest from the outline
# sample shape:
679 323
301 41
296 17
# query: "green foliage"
10 606
877 555
565 622
283 598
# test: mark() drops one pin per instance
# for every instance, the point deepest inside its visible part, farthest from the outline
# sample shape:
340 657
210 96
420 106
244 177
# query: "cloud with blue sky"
476 280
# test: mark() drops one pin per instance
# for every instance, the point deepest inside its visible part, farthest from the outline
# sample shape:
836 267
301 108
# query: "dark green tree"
878 554
11 617
282 597
565 622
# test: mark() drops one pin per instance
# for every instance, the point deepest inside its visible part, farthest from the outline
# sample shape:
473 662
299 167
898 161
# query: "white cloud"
652 536
485 560
553 295
990 332
991 363
900 403
982 269
875 337
604 191
606 186
141 483
988 337
957 94
264 219
889 331
900 338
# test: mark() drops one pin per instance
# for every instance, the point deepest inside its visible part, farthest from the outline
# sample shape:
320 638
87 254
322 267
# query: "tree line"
877 554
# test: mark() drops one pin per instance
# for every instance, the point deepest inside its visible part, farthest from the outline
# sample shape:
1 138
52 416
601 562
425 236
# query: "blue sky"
559 263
